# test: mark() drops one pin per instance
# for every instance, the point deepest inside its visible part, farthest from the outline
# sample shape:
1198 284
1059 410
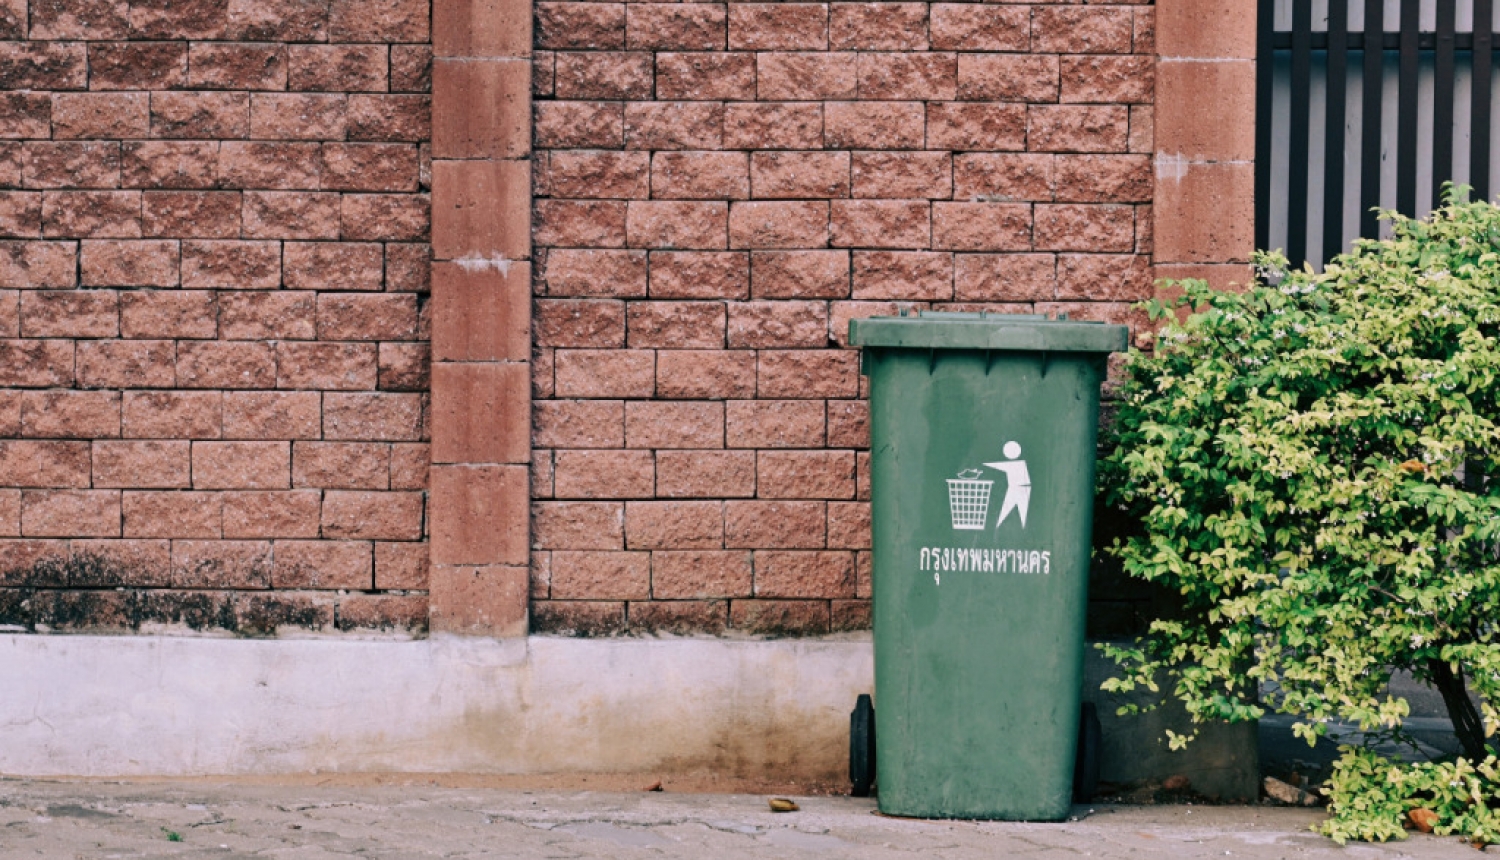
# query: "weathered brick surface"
214 221
722 188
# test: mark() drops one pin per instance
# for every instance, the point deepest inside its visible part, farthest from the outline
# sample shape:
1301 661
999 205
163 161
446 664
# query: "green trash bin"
982 430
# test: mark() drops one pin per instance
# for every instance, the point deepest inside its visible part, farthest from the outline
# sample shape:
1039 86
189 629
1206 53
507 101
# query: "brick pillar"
1205 139
481 315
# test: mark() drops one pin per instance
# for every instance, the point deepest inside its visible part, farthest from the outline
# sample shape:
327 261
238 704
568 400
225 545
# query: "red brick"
851 615
672 125
169 164
341 465
38 265
333 266
1078 30
393 217
603 75
367 317
70 164
799 174
579 125
10 312
778 26
10 413
794 224
72 19
1085 228
657 425
699 275
482 313
221 564
369 167
191 214
674 525
137 65
878 27
481 209
805 475
965 126
601 575
36 363
323 564
386 118
480 413
605 373
1104 277
700 175
70 513
981 226
25 114
241 465
171 514
604 474
372 515
380 21
373 416
809 76
774 525
600 174
691 325
706 76
679 617
578 617
578 423
574 26
1005 277
291 514
774 324
1002 177
400 565
676 225
674 26
1108 79
768 125
780 617
221 66
267 315
677 575
804 574
291 215
43 66
44 464
70 313
172 414
578 525
903 174
91 214
543 72
480 600
848 424
580 323
966 27
200 115
705 474
774 424
931 76
798 374
1104 178
210 364
1008 77
1069 128
20 214
269 165
705 374
70 414
120 562
881 223
408 268
119 263
337 68
405 366
126 364
849 525
874 125
272 415
799 274
279 116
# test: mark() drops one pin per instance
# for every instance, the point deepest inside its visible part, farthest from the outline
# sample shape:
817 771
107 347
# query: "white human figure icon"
1017 483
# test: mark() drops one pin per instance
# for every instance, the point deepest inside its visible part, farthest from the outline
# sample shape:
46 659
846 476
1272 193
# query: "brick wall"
720 188
213 357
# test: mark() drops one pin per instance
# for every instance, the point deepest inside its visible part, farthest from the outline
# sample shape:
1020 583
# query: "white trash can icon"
969 501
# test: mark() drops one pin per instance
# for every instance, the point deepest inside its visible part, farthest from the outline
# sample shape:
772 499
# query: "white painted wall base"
136 705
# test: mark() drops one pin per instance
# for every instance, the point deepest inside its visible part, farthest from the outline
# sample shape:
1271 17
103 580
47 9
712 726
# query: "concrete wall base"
756 710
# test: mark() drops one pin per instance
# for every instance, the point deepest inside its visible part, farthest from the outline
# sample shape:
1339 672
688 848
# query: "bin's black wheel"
1086 765
862 745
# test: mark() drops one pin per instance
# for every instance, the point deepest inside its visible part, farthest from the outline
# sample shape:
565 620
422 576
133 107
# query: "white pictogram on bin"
969 500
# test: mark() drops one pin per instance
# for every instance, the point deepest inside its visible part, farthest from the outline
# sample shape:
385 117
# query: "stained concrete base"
774 711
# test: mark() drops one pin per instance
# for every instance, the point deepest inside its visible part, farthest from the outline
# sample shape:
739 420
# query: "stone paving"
237 819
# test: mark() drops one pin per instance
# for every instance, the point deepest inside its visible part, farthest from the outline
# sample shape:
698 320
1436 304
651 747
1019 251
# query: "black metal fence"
1374 105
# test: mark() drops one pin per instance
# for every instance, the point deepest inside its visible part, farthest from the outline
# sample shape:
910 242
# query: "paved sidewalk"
86 819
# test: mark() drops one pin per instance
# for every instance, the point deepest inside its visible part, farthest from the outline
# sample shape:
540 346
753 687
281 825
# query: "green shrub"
1315 464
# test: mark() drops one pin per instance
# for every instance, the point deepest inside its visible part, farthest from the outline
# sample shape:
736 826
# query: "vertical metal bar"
1333 153
1479 110
1442 99
1369 119
1406 109
1298 149
1265 70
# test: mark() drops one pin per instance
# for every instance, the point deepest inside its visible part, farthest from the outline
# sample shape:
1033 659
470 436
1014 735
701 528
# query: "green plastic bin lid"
983 330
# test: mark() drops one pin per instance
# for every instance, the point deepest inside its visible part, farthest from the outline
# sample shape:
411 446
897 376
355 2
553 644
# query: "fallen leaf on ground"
655 786
782 804
1423 819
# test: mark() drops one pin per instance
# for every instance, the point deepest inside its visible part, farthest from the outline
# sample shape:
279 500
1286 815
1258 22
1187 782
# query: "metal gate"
1365 103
